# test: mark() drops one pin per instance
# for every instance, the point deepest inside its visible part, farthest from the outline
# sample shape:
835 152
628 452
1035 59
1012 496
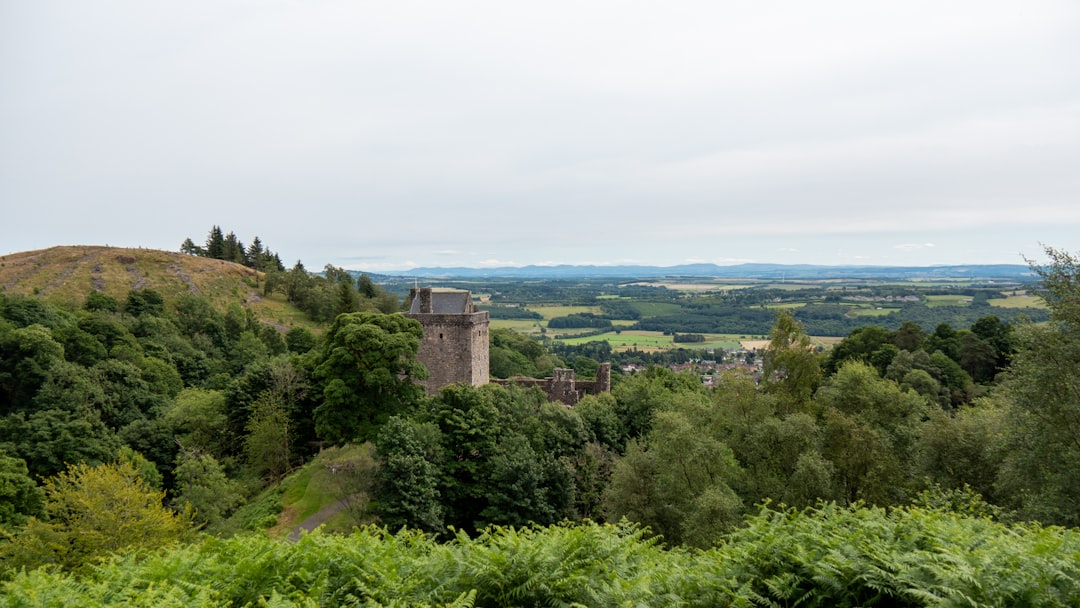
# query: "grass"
319 484
872 312
524 326
551 311
1024 301
651 341
65 275
949 300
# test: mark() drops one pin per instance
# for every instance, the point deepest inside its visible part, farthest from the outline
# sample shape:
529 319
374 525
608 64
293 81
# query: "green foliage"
825 556
1041 470
300 340
20 497
199 420
93 511
268 442
831 556
203 489
515 354
366 368
407 481
791 365
228 247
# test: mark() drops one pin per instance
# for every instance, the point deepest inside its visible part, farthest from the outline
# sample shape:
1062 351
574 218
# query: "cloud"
914 246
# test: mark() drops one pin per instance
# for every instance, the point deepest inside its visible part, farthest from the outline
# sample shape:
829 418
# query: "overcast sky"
382 135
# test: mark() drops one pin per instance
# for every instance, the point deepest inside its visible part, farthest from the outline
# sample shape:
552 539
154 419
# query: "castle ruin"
454 348
455 344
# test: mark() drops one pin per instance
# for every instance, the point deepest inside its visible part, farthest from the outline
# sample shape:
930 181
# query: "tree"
144 302
525 486
27 355
366 287
791 365
268 443
677 482
189 247
199 420
300 340
215 244
64 425
347 299
20 497
869 343
407 480
255 253
909 337
203 489
470 424
95 511
366 369
1041 470
871 426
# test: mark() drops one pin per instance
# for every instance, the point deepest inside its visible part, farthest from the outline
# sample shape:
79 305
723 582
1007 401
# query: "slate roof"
446 302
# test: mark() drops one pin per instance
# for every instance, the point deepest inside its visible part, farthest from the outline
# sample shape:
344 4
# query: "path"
316 520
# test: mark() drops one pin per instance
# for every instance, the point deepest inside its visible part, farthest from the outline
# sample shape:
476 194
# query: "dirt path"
316 520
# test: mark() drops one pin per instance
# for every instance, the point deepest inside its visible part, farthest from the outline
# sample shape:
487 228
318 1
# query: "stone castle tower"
455 343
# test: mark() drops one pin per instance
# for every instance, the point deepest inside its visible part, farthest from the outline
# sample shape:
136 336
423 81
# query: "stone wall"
454 348
563 387
455 345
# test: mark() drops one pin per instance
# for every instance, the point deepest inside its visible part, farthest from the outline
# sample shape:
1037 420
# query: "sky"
382 136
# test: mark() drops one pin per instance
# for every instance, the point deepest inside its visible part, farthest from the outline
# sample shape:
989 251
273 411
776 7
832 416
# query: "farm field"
643 311
948 300
1018 301
872 312
550 311
649 341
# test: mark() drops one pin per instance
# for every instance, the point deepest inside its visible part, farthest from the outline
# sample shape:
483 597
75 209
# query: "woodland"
142 440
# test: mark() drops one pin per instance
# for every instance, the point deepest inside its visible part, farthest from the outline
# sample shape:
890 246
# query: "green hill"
68 274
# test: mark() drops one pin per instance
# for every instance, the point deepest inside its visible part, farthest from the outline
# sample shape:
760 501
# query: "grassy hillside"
67 274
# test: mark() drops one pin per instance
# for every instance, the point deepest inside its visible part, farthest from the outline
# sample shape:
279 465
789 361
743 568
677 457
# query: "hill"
739 271
67 274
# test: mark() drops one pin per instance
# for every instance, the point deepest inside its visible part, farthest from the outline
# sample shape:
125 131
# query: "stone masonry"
454 348
455 344
563 387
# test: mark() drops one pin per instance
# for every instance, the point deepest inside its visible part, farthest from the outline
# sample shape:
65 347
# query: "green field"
1024 301
525 326
872 312
550 312
654 340
949 300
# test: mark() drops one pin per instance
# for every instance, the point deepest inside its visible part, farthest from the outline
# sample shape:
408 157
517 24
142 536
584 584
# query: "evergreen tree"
189 247
215 244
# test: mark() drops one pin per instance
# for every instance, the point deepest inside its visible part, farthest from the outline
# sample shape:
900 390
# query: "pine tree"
215 244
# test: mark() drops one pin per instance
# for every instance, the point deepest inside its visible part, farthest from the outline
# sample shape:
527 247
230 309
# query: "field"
872 312
550 312
949 300
1018 301
650 341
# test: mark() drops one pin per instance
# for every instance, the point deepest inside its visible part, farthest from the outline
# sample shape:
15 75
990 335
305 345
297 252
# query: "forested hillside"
177 418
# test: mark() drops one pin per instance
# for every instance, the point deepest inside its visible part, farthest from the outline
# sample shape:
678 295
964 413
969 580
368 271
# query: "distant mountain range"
740 271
